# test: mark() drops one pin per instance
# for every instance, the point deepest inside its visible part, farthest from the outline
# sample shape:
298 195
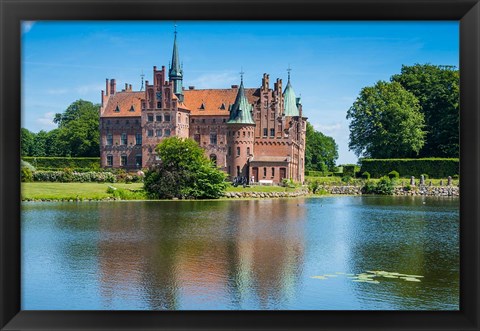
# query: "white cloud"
56 91
85 89
215 80
328 129
46 121
27 26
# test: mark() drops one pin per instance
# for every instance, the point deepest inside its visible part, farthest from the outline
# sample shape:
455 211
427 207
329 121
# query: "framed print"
238 165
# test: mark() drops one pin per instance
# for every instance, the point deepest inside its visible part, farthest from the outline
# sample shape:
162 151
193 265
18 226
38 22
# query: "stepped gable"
124 101
212 100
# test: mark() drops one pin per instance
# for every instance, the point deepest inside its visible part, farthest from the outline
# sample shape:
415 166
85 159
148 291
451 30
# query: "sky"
63 61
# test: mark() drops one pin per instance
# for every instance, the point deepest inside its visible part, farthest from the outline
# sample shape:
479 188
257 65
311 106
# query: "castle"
256 133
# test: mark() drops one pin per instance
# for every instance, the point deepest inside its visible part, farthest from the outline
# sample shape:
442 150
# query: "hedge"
79 177
433 167
92 163
314 173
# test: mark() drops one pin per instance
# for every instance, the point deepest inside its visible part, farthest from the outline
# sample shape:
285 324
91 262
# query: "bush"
368 187
435 167
366 175
424 176
349 170
408 187
385 186
393 174
346 179
455 177
26 174
24 164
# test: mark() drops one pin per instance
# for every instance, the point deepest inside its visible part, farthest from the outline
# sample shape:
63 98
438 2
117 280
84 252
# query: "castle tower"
175 73
240 135
290 100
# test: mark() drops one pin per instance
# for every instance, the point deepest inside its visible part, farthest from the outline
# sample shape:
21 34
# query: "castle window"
138 139
203 120
138 160
229 151
117 121
132 108
186 119
136 121
159 118
123 160
272 132
238 134
123 139
167 132
238 171
109 160
126 122
193 120
159 133
238 151
117 110
167 117
244 134
224 120
213 138
150 117
143 104
159 104
264 171
273 172
248 151
109 139
265 132
213 158
229 170
150 133
196 137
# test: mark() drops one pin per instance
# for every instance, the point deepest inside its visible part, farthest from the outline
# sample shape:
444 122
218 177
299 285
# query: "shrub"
26 174
349 170
455 177
393 174
368 187
408 187
25 164
385 186
424 176
69 176
366 175
346 179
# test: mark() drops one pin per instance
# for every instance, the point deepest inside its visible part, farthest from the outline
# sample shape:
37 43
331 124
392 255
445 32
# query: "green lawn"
62 191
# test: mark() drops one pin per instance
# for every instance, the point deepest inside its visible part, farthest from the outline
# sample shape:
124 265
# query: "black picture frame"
467 12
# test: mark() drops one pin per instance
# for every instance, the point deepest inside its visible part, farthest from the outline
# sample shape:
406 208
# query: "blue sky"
331 61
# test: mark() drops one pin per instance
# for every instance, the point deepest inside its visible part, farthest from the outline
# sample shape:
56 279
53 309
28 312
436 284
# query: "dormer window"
132 108
202 106
117 109
222 107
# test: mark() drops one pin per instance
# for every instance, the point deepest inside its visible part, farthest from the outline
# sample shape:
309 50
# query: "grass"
67 191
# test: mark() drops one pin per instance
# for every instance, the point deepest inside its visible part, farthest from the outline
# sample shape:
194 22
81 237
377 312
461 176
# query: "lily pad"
410 279
319 277
329 275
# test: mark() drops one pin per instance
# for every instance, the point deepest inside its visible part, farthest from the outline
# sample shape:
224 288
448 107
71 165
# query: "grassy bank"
67 191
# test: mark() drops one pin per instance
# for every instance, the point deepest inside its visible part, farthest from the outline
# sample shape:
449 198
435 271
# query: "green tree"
386 122
78 133
26 142
39 144
183 172
321 151
437 89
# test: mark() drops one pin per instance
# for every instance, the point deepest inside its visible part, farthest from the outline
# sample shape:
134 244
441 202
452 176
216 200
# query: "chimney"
113 86
103 96
106 86
154 68
191 87
234 86
126 87
265 81
130 87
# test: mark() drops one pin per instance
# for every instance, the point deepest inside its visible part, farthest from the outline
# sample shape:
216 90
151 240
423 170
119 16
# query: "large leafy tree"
26 142
183 172
437 89
78 133
321 151
386 122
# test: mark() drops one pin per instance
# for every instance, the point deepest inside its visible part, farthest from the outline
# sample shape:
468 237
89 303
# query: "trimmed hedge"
314 173
349 170
92 163
68 177
434 167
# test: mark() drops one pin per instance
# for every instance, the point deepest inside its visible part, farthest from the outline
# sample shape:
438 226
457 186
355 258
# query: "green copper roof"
290 101
175 69
240 111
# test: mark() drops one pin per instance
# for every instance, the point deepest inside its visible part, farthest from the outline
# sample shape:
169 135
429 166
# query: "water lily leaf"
329 275
410 279
414 276
390 276
340 273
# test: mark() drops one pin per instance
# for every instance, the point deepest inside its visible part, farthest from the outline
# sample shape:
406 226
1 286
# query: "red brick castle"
257 132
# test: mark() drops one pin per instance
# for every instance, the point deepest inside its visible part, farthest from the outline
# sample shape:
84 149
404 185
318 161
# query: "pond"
281 254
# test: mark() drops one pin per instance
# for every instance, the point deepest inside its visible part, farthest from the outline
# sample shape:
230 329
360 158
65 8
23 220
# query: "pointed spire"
289 99
175 69
241 110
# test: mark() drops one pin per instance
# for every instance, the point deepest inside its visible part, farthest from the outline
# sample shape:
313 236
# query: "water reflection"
256 254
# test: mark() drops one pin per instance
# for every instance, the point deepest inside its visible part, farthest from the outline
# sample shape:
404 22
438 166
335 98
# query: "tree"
183 172
26 142
321 151
78 133
437 89
39 144
386 122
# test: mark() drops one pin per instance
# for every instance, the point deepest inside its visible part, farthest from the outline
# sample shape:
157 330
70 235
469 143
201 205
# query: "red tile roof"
209 101
124 101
